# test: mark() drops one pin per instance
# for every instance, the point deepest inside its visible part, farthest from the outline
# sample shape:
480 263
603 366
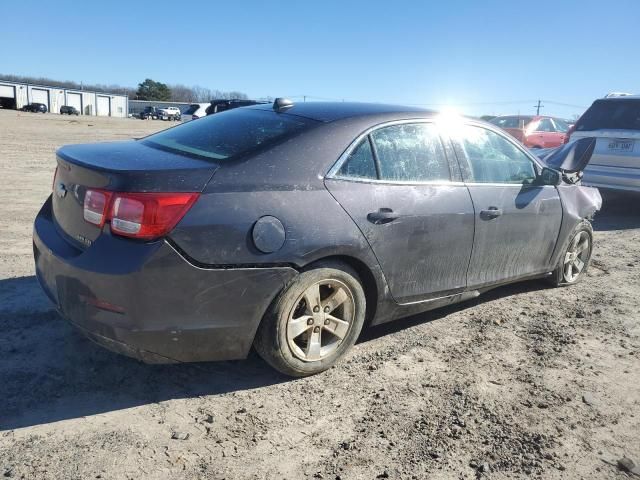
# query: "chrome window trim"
518 185
397 182
333 171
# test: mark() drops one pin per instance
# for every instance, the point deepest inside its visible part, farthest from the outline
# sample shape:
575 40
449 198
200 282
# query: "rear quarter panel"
286 182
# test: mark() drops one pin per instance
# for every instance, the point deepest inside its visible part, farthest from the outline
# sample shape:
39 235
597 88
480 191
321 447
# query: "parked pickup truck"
149 113
169 113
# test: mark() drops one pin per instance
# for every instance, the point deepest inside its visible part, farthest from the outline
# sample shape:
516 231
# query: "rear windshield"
611 114
228 134
192 109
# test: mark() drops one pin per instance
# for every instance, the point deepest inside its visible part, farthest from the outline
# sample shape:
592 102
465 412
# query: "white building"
15 95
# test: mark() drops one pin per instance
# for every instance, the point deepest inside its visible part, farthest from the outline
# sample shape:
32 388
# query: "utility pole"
537 107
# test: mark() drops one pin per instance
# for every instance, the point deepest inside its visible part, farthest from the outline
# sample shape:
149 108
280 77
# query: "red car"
534 131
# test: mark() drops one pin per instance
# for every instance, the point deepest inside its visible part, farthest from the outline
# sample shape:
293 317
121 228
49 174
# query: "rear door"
516 222
397 185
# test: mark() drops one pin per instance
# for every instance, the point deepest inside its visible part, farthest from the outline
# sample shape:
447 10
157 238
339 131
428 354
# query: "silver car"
615 122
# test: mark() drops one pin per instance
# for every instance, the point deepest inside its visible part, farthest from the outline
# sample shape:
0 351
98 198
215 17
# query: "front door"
396 185
516 222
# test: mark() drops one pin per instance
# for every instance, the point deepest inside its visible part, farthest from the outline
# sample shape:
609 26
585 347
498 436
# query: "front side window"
494 159
231 134
360 163
411 152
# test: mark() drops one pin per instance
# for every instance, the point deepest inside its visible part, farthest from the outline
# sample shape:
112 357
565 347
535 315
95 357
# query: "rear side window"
611 114
360 163
229 134
494 159
411 152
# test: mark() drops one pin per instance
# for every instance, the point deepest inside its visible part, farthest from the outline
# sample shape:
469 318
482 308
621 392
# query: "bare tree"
182 93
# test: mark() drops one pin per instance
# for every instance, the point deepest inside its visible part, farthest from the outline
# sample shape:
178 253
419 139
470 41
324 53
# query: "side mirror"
550 176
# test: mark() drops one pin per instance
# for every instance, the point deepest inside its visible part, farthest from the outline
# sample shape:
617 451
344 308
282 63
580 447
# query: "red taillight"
96 204
137 215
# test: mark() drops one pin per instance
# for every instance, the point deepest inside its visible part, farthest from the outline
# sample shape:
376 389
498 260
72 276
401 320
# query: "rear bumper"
615 178
147 301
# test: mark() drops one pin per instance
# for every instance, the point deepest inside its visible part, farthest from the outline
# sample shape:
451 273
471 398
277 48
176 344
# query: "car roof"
331 111
620 98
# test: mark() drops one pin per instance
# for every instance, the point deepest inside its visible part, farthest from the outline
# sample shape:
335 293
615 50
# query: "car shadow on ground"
50 372
378 331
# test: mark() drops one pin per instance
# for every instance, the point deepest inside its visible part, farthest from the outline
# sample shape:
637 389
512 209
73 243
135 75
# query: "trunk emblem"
61 190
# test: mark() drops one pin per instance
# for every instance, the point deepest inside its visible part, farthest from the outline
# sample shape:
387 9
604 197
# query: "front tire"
314 321
574 262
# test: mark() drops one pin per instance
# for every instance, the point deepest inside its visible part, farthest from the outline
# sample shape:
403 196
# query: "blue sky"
483 56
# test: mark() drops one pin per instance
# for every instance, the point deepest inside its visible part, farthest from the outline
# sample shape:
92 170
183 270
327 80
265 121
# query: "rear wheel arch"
294 353
367 279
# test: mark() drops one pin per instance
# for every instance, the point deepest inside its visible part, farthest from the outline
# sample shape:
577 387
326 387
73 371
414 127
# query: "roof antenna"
282 104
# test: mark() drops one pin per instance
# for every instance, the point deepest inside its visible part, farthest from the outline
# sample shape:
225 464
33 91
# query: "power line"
566 104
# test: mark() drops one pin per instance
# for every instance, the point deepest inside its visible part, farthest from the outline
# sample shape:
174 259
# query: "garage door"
103 106
7 96
7 91
39 95
75 100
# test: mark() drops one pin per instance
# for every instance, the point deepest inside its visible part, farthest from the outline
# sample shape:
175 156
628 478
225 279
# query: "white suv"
169 113
195 111
615 123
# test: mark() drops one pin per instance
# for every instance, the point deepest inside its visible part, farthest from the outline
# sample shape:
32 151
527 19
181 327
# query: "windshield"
229 134
611 114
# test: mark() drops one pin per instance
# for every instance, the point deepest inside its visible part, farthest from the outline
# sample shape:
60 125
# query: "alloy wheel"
577 256
320 320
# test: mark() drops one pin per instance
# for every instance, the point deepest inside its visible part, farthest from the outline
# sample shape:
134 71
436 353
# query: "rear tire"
314 321
574 261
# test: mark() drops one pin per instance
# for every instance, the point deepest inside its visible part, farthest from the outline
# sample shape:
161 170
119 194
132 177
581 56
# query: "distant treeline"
145 90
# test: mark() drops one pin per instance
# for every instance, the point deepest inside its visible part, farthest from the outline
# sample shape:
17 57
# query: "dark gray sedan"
289 227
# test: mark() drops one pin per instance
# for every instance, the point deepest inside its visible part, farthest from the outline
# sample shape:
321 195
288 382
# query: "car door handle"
491 212
382 216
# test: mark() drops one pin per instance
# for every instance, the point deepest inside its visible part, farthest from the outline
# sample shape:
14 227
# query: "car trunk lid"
122 167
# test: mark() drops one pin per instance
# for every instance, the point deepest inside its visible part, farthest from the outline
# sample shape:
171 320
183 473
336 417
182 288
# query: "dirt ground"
525 381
